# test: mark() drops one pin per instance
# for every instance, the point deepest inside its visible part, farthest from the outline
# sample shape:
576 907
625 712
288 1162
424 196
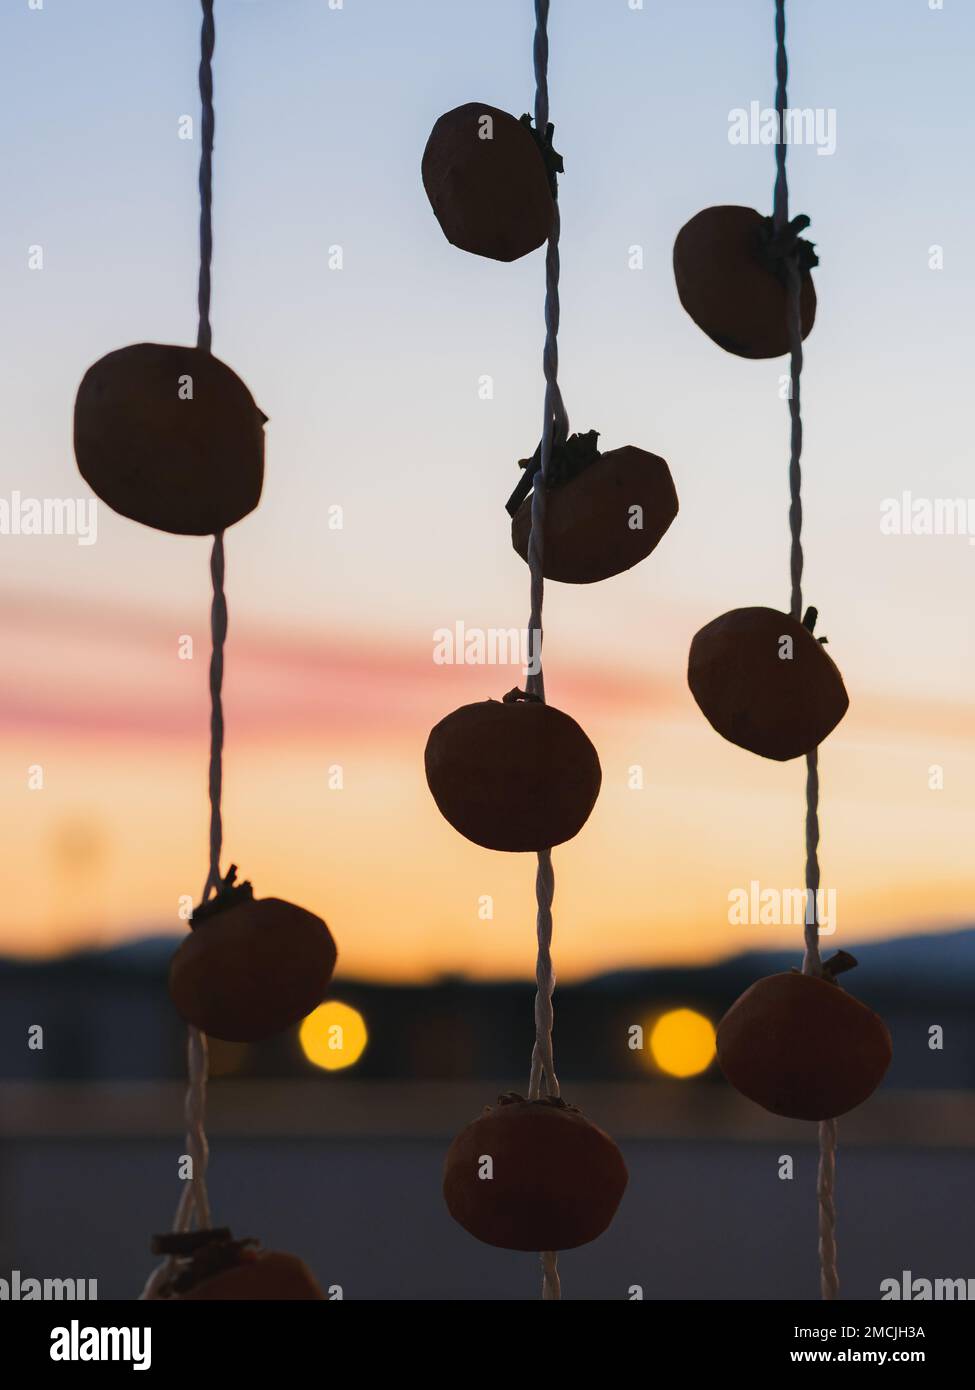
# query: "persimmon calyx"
566 461
776 248
554 164
514 696
229 894
838 964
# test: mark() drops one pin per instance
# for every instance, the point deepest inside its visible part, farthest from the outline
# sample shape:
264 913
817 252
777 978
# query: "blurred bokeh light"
682 1042
333 1036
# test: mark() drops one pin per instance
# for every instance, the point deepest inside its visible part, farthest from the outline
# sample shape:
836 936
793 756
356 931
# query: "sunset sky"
370 374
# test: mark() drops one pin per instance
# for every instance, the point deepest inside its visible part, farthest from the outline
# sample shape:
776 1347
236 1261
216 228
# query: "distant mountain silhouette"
932 958
936 960
107 1015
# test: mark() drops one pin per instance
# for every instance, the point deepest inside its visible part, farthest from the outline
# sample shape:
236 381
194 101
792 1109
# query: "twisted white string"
218 638
812 963
194 1200
829 1279
555 429
551 1284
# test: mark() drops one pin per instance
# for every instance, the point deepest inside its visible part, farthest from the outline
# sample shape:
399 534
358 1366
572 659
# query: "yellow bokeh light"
333 1036
682 1042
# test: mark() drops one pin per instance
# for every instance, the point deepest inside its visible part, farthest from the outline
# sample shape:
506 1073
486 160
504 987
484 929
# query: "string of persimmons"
169 436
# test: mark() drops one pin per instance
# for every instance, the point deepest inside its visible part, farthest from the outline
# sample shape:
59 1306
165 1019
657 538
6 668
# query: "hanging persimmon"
514 774
211 1265
533 1175
764 682
171 437
604 513
250 967
801 1046
486 177
729 264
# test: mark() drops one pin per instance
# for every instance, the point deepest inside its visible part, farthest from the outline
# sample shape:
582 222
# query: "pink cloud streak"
113 672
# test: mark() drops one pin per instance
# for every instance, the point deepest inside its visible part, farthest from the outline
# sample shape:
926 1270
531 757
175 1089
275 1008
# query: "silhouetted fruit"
190 465
211 1265
589 518
556 1179
251 967
268 1275
491 195
801 1046
757 694
513 774
732 286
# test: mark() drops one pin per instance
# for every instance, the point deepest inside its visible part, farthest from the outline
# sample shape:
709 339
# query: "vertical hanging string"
780 197
811 965
195 1193
780 220
829 1278
208 38
218 637
194 1201
195 1196
555 429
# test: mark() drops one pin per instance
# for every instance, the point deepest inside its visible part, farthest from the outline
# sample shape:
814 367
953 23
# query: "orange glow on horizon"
104 852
